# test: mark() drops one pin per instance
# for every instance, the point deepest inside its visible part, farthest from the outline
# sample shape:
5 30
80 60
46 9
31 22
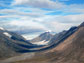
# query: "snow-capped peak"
7 34
49 31
1 28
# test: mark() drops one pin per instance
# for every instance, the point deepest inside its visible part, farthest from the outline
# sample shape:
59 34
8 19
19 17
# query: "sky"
32 17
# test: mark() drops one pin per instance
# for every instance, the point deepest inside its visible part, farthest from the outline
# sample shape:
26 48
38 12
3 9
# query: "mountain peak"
82 25
49 31
1 28
44 37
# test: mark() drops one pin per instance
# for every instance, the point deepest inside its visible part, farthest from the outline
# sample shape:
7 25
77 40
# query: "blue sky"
36 16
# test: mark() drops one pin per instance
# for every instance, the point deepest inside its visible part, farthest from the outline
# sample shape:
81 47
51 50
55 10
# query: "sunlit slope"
70 50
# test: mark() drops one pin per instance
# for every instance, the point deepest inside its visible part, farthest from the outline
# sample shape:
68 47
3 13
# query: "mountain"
13 44
57 36
82 25
10 43
70 50
53 42
12 35
63 35
44 38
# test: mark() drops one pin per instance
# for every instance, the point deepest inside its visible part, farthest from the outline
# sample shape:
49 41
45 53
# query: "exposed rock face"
47 36
57 36
9 43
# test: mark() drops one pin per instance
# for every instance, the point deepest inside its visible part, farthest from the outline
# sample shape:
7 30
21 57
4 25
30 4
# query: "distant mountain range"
43 38
70 49
64 47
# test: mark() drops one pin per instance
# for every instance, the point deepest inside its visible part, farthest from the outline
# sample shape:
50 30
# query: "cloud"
58 23
74 8
71 18
40 3
30 16
41 23
23 25
55 6
19 13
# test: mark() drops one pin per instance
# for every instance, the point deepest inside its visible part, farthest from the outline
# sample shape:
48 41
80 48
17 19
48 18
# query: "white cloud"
47 22
19 13
57 5
71 18
59 23
31 18
74 8
40 3
36 18
24 24
27 23
58 27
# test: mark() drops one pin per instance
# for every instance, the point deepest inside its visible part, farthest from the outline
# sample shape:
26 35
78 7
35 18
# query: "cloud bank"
37 16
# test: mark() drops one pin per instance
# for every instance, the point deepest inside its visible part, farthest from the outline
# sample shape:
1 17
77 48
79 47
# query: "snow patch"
7 34
49 31
1 28
41 42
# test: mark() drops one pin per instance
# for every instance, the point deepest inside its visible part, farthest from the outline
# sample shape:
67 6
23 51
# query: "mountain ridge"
70 50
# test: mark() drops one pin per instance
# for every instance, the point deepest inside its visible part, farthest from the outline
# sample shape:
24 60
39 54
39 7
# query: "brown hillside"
69 51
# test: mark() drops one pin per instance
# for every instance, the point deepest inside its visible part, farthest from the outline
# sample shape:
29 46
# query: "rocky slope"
44 38
70 50
9 43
